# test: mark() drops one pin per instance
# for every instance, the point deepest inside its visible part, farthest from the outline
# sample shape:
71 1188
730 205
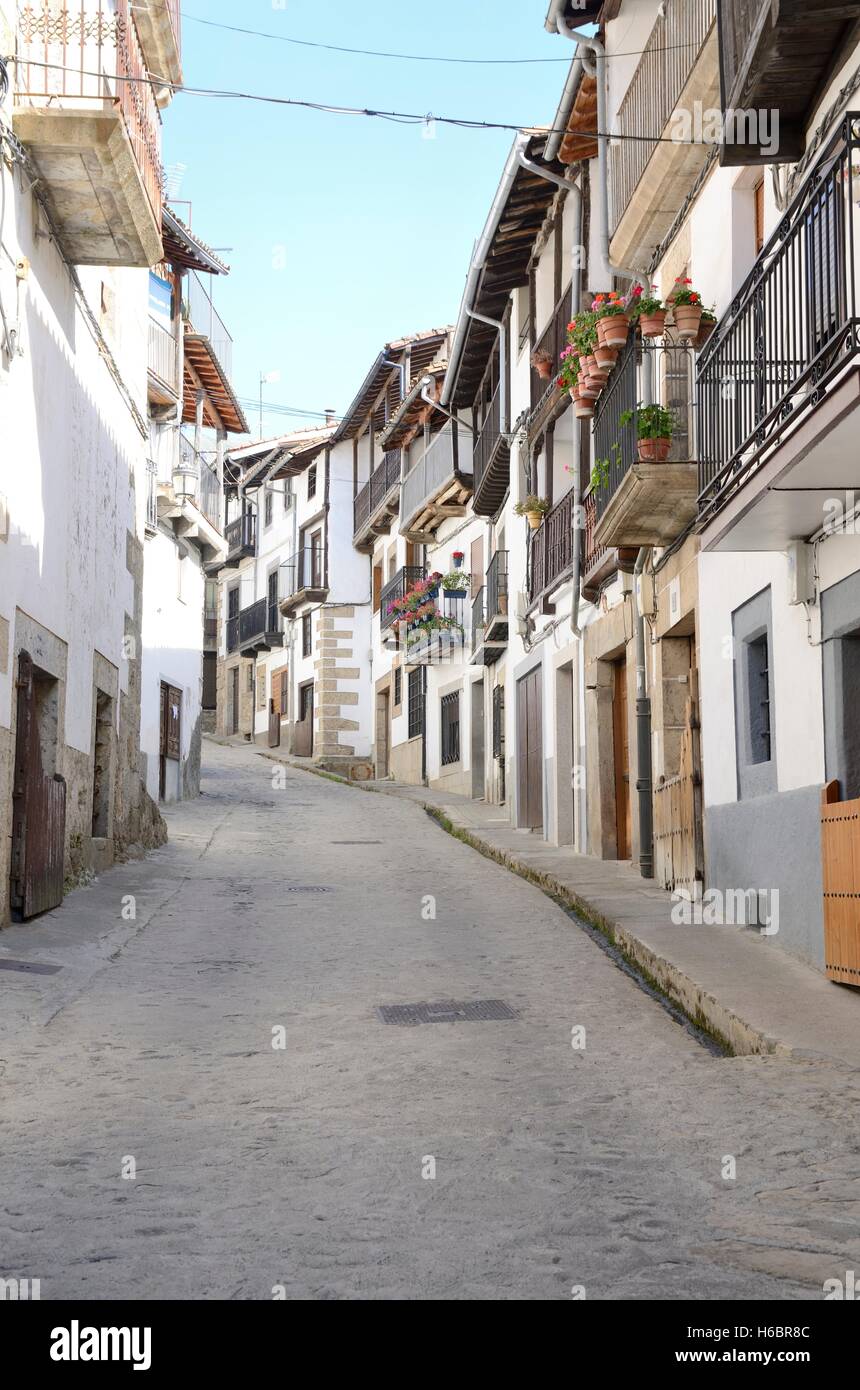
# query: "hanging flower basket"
606 357
653 325
706 329
458 557
687 308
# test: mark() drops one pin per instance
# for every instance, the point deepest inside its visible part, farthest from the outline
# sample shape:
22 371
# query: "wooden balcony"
651 178
376 506
85 110
497 592
241 539
303 580
492 461
260 628
779 382
774 58
159 28
488 640
435 489
163 364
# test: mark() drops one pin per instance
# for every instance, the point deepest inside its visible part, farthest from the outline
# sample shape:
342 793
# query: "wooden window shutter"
377 587
759 216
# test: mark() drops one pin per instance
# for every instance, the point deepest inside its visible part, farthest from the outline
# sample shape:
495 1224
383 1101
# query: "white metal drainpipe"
576 294
596 47
503 363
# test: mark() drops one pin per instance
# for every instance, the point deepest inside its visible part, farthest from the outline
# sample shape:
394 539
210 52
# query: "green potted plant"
456 584
687 308
534 509
655 426
650 314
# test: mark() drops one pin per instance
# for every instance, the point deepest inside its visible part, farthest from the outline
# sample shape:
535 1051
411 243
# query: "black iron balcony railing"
383 481
552 341
259 623
497 585
241 535
477 620
645 373
791 329
397 587
593 554
302 572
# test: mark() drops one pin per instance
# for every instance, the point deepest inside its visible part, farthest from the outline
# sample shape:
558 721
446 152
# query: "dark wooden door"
620 736
530 751
234 700
38 811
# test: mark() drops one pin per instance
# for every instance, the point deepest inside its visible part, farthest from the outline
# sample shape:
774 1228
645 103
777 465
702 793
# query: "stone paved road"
303 1167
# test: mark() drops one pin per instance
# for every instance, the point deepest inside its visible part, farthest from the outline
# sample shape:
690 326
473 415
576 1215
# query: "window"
416 703
451 728
273 615
312 481
398 686
377 587
307 634
306 701
288 494
268 507
233 602
316 560
758 680
752 628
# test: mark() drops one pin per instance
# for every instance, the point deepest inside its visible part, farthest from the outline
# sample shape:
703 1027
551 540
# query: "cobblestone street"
303 907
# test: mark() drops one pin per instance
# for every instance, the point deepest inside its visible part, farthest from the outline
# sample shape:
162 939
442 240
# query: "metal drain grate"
308 890
356 842
447 1011
26 967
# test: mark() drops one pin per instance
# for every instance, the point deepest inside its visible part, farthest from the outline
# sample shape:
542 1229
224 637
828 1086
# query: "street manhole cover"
26 967
447 1011
356 842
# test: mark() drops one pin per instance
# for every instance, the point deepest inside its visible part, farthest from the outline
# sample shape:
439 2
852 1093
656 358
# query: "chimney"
330 415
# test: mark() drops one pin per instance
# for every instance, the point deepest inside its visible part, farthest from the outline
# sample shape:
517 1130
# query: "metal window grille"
307 636
312 481
450 728
758 671
416 703
270 496
398 686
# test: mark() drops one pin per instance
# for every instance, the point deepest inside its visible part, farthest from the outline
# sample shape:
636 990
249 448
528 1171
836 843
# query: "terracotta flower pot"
654 450
653 325
688 318
706 328
544 370
601 329
583 408
588 391
534 519
606 357
615 331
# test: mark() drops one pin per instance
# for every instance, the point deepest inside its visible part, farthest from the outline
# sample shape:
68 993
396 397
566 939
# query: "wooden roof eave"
203 371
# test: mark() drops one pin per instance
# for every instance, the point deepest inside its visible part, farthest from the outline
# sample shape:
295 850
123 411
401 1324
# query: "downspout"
600 70
576 293
643 730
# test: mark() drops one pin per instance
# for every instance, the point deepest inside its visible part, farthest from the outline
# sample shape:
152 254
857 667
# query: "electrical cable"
413 57
396 117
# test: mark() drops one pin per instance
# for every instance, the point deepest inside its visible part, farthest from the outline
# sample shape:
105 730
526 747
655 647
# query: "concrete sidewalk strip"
730 980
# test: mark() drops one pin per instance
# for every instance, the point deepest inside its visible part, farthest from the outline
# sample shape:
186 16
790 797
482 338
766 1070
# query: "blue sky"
347 232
